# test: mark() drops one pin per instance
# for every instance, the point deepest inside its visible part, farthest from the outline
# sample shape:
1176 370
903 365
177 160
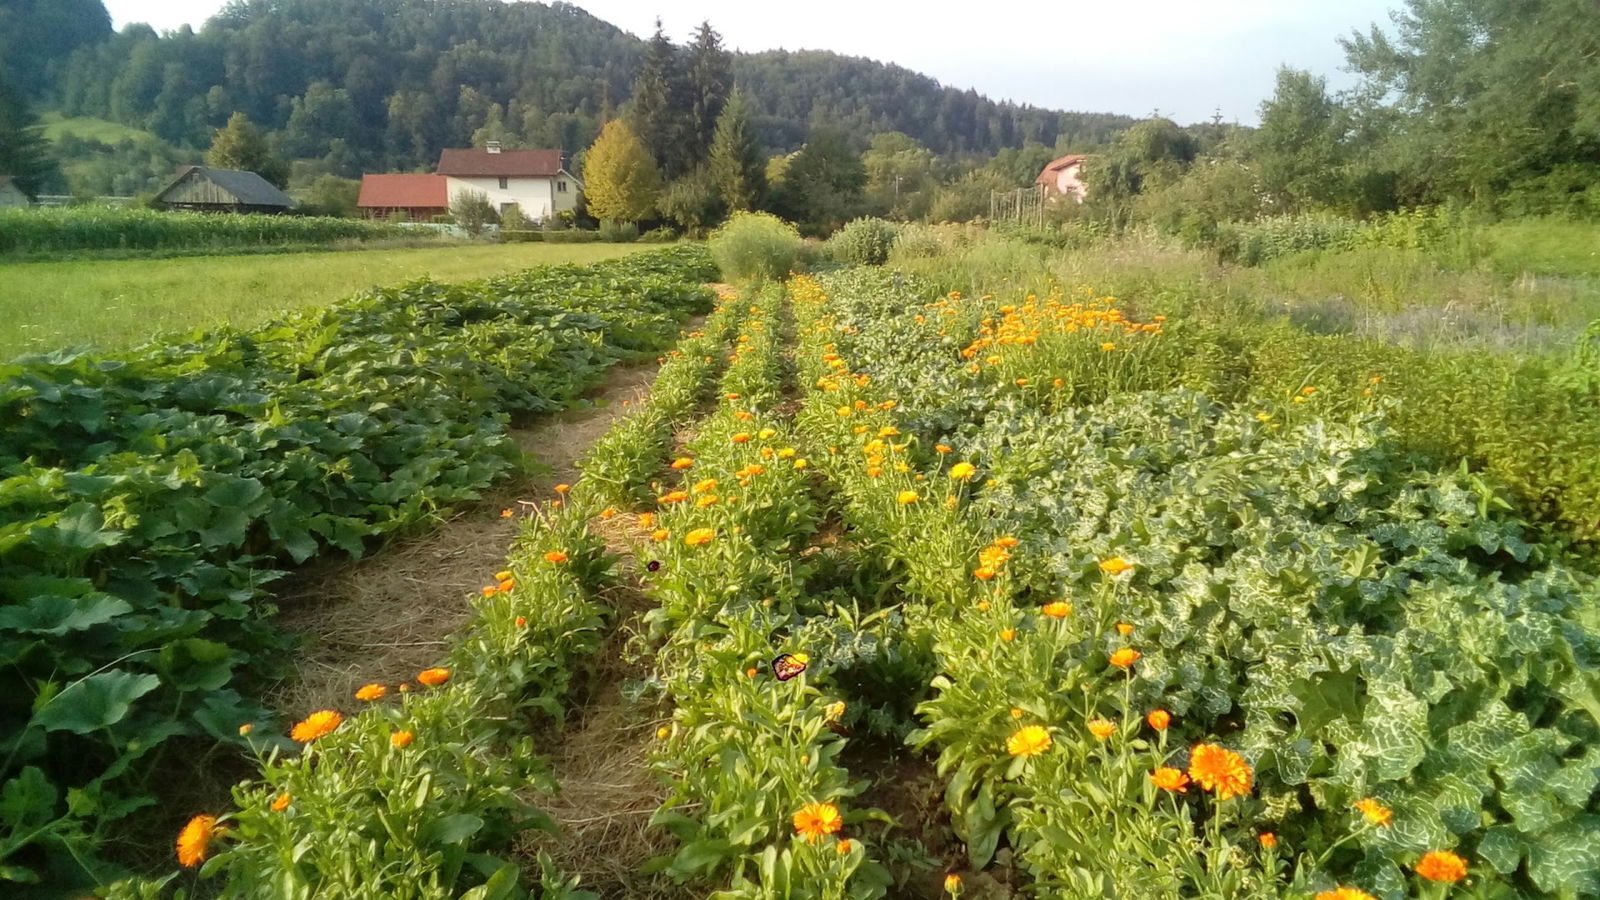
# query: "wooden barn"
204 189
11 194
416 197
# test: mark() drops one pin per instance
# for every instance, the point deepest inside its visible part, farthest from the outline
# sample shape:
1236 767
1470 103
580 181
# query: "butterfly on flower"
788 665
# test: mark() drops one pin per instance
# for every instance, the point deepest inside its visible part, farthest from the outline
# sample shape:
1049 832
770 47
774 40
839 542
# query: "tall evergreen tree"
710 78
24 153
738 167
658 113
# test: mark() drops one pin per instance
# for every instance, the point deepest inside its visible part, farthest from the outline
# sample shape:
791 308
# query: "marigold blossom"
952 883
1442 865
522 621
1008 634
683 462
1125 657
502 575
1345 893
434 677
815 820
506 513
1170 779
1220 770
556 556
699 536
963 471
371 692
1124 629
319 724
401 739
245 729
1030 740
905 498
1159 719
1102 728
194 841
660 535
1116 565
1375 812
563 488
280 803
741 437
983 573
1269 841
1058 609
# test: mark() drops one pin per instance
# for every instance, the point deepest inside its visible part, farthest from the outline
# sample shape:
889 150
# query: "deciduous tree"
240 145
622 183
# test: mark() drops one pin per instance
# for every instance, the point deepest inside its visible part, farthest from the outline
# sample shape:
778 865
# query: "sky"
1185 59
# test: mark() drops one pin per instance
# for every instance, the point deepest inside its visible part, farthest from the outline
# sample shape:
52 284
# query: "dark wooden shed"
204 189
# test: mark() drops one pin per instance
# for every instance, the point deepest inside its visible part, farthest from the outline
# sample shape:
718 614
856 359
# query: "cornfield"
25 231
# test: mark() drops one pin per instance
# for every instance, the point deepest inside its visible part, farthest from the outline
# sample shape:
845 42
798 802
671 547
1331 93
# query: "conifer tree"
658 109
710 77
738 167
622 183
24 152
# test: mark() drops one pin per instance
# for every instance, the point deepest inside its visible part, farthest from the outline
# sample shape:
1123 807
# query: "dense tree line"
386 84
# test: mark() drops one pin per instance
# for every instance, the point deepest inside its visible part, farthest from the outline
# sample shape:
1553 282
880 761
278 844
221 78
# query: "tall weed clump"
757 246
864 242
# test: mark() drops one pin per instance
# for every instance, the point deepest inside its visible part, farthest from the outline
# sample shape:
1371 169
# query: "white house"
532 179
1064 177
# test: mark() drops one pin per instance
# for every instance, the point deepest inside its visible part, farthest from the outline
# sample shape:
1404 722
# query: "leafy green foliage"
864 242
66 229
755 245
822 185
148 498
241 145
622 181
473 211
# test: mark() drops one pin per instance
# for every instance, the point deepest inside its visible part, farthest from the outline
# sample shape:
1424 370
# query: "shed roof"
247 188
1048 175
404 191
506 163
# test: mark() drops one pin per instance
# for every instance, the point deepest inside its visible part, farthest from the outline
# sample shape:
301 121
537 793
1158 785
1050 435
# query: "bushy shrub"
618 232
915 242
524 236
665 234
756 246
864 242
572 236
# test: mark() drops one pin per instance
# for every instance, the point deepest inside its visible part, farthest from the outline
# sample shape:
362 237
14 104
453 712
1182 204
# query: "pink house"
1064 177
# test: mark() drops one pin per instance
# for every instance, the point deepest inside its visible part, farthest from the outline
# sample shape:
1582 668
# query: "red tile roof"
1048 176
506 163
404 191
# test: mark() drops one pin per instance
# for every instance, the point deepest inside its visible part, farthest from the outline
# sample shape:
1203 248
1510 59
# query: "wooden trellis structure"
1023 205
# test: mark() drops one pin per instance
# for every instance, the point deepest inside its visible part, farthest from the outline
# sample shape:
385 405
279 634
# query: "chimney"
492 146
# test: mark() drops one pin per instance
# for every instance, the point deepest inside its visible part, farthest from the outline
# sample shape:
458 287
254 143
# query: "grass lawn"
118 303
57 126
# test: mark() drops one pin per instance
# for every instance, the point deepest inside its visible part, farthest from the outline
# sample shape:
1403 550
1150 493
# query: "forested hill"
396 80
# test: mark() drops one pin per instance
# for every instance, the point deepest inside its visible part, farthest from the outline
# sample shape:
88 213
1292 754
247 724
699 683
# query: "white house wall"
537 197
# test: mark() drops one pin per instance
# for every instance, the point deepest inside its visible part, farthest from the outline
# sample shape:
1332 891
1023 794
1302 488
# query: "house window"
504 183
561 187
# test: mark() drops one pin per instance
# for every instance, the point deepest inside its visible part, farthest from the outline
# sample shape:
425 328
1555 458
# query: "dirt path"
386 616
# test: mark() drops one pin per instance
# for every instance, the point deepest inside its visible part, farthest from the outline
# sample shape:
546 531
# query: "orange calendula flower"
1159 719
1058 609
1108 346
506 586
1124 629
1345 893
319 724
372 692
983 573
845 846
952 883
1030 740
1016 713
556 556
673 497
741 437
682 462
1220 770
905 498
963 471
750 672
503 575
1102 728
522 621
1116 565
434 677
815 820
280 803
506 513
1006 542
1170 779
1442 865
401 739
563 488
942 448
660 535
1008 635
608 512
1125 657
194 841
1376 812
1269 841
647 520
489 590
704 485
699 536
245 729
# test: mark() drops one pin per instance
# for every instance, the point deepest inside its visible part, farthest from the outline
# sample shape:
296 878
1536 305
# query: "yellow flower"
318 724
506 514
952 883
983 573
1375 812
663 732
1124 629
401 739
608 512
434 677
280 803
194 841
834 710
1116 565
906 498
1125 657
683 462
1221 770
1345 893
800 464
371 692
660 534
245 729
1108 346
1269 841
1016 713
1058 609
1442 865
708 484
963 471
647 520
766 433
563 488
1101 728
1030 740
1008 635
816 820
699 536
1170 779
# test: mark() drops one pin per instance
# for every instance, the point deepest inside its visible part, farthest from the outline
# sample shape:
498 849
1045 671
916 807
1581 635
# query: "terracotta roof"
404 191
1048 175
506 163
